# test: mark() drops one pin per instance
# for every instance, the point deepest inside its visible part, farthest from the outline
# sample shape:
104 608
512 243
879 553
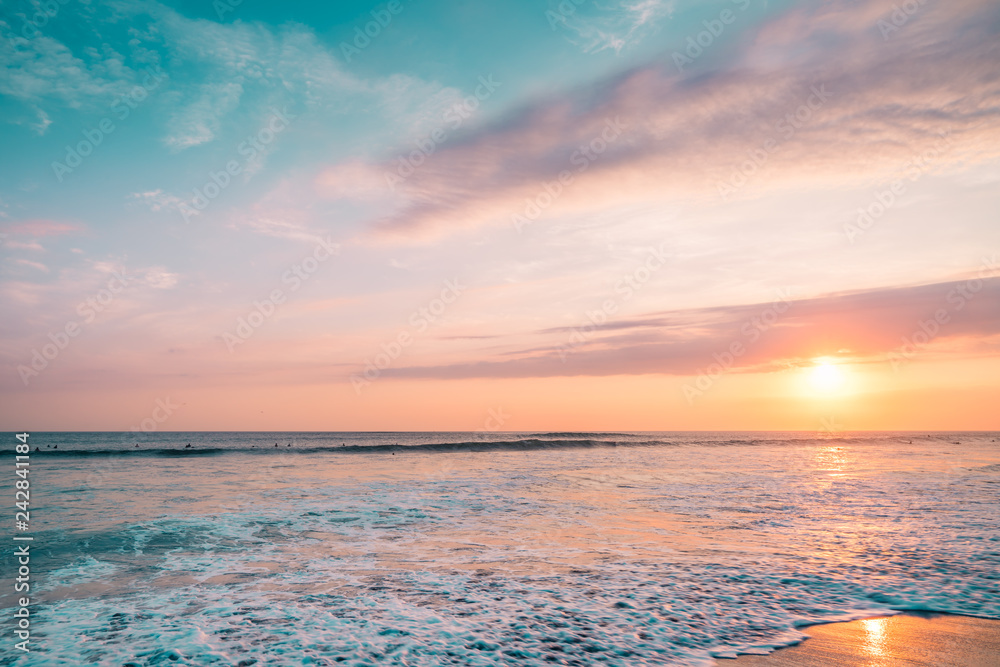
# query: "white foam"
623 558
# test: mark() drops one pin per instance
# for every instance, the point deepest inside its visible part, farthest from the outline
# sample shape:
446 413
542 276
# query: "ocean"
490 548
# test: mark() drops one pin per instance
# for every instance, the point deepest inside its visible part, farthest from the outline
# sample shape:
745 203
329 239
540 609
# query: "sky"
576 215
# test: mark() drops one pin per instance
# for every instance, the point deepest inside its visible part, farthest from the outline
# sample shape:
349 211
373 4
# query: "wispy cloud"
158 277
218 73
38 266
36 228
870 104
198 120
614 26
158 200
862 326
29 245
43 69
252 67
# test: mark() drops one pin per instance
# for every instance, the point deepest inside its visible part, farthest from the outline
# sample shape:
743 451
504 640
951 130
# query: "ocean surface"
491 548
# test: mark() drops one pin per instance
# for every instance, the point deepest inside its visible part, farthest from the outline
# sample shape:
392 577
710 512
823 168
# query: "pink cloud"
31 245
34 265
36 228
866 105
351 180
865 326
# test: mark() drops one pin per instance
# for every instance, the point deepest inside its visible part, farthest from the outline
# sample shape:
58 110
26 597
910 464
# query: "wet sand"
940 640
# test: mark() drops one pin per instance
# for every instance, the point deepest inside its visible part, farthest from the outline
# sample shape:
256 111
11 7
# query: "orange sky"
796 229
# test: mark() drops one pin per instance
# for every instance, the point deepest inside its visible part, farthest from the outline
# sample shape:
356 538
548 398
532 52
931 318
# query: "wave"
580 434
212 446
527 444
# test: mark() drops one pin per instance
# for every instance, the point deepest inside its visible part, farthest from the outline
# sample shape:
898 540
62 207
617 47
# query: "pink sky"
796 231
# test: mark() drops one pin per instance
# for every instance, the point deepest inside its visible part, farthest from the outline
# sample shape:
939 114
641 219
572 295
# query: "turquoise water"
490 549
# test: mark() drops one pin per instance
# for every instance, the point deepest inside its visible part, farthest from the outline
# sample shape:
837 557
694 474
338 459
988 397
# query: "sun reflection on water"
831 460
875 640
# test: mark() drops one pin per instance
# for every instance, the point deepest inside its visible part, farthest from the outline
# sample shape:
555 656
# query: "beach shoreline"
910 638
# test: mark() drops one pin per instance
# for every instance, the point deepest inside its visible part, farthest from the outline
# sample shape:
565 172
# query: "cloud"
222 76
815 96
284 212
862 326
158 200
351 180
42 123
30 245
251 67
43 69
613 26
198 121
159 278
148 299
36 228
34 265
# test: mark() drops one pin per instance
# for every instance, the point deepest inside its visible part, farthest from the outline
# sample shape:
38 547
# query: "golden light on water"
875 639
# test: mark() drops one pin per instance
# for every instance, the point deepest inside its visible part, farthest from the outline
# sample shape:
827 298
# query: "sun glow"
826 378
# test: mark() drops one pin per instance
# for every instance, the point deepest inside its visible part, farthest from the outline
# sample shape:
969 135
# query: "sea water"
491 549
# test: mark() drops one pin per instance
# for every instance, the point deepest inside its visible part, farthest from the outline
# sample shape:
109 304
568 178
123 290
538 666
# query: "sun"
826 377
